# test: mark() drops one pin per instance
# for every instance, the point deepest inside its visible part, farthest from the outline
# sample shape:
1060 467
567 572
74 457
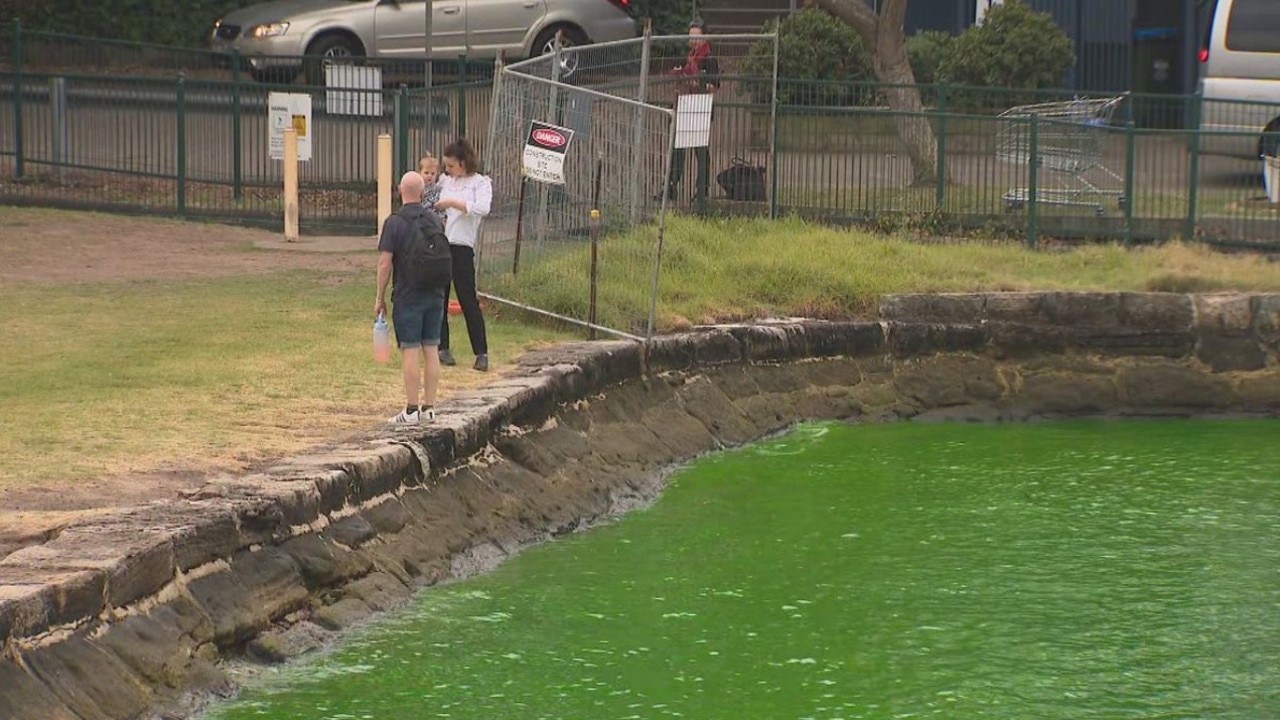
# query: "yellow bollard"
290 185
384 179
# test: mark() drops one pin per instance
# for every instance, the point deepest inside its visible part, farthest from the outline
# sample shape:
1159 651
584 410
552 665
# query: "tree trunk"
887 44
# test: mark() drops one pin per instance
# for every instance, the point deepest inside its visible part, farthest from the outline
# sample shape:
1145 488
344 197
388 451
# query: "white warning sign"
288 110
544 153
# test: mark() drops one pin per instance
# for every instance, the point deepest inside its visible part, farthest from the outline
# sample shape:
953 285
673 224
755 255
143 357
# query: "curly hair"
461 151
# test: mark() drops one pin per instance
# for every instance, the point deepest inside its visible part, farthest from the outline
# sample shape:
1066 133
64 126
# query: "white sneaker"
426 414
404 417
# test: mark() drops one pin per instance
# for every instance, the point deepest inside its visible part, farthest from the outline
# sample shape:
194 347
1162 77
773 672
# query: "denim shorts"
417 319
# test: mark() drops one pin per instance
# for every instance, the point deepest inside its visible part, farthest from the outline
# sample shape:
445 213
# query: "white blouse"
463 227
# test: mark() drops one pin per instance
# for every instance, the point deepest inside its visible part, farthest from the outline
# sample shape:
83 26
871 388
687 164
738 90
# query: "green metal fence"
137 128
189 138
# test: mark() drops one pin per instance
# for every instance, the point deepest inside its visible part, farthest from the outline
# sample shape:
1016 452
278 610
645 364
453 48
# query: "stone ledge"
270 562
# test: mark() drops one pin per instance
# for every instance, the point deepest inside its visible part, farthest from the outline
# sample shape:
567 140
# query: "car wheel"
329 50
545 44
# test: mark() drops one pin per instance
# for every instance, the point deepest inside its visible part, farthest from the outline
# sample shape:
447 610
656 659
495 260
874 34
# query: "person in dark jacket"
416 312
699 74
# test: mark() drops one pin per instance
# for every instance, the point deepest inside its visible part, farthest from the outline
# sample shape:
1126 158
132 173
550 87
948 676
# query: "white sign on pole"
693 120
353 90
544 152
288 110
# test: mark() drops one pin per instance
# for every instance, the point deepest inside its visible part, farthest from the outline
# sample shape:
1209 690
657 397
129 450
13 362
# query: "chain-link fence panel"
635 150
543 246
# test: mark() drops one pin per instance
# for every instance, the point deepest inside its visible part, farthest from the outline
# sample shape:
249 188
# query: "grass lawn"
119 377
724 269
105 377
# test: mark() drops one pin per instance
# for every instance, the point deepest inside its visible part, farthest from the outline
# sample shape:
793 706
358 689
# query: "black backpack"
428 261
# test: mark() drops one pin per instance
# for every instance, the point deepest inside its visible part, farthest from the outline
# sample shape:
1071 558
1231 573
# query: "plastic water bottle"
381 340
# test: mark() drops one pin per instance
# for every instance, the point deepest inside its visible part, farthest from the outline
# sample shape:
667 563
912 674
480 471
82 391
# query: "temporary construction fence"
589 148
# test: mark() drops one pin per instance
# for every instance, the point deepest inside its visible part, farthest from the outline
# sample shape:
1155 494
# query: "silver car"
274 38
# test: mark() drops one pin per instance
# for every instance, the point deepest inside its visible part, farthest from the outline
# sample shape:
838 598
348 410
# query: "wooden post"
384 179
290 185
515 259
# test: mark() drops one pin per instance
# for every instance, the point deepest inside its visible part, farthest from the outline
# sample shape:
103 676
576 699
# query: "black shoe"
482 363
446 357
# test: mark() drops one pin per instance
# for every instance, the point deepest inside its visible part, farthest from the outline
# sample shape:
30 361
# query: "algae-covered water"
1060 570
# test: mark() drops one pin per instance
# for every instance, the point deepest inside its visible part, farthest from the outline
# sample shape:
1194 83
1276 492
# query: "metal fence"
191 145
613 105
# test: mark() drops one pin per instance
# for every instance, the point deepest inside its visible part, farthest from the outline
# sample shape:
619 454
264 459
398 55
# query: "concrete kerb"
269 562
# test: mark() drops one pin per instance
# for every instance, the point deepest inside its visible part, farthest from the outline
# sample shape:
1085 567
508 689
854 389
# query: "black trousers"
464 281
679 158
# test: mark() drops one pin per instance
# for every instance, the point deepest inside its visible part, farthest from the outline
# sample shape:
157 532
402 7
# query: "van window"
1254 26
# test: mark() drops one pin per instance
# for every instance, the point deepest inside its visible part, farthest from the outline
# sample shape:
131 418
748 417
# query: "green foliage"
164 23
670 17
927 52
1014 47
813 46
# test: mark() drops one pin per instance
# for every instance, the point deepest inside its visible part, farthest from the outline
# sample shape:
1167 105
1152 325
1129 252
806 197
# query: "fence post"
237 170
940 190
385 183
461 120
637 140
58 133
402 130
773 131
1193 197
490 146
1033 230
1130 160
182 144
291 210
18 164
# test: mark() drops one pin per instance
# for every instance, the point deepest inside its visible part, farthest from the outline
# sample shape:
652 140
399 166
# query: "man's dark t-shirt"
397 231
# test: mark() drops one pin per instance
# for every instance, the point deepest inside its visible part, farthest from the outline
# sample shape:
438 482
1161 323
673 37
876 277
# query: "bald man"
417 313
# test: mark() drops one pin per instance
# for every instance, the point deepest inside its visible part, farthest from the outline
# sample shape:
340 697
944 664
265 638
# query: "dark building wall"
1102 32
1106 34
951 16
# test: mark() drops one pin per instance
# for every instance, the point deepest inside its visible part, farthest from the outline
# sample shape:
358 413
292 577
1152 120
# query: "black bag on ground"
742 180
430 262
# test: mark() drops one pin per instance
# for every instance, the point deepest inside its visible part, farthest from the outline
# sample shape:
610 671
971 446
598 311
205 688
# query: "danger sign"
544 153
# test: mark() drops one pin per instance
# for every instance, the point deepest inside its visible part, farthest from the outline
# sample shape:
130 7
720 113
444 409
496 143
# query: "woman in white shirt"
465 197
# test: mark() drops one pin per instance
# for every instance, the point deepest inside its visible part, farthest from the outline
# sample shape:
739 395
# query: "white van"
1240 78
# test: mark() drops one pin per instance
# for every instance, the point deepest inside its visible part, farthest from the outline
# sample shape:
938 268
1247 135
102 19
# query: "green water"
1063 570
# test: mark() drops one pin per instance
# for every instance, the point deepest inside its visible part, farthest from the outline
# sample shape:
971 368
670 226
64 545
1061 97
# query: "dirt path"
46 246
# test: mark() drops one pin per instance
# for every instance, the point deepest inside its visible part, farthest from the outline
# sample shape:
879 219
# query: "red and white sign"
548 138
544 153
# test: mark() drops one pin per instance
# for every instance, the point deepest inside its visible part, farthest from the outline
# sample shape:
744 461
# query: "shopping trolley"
1070 137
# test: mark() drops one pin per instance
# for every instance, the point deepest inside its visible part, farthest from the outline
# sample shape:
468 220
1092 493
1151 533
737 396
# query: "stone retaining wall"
132 614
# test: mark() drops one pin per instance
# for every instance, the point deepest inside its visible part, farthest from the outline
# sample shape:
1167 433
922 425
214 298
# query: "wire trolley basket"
1070 139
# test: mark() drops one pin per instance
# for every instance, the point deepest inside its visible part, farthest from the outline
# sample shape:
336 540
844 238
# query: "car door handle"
530 4
451 10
